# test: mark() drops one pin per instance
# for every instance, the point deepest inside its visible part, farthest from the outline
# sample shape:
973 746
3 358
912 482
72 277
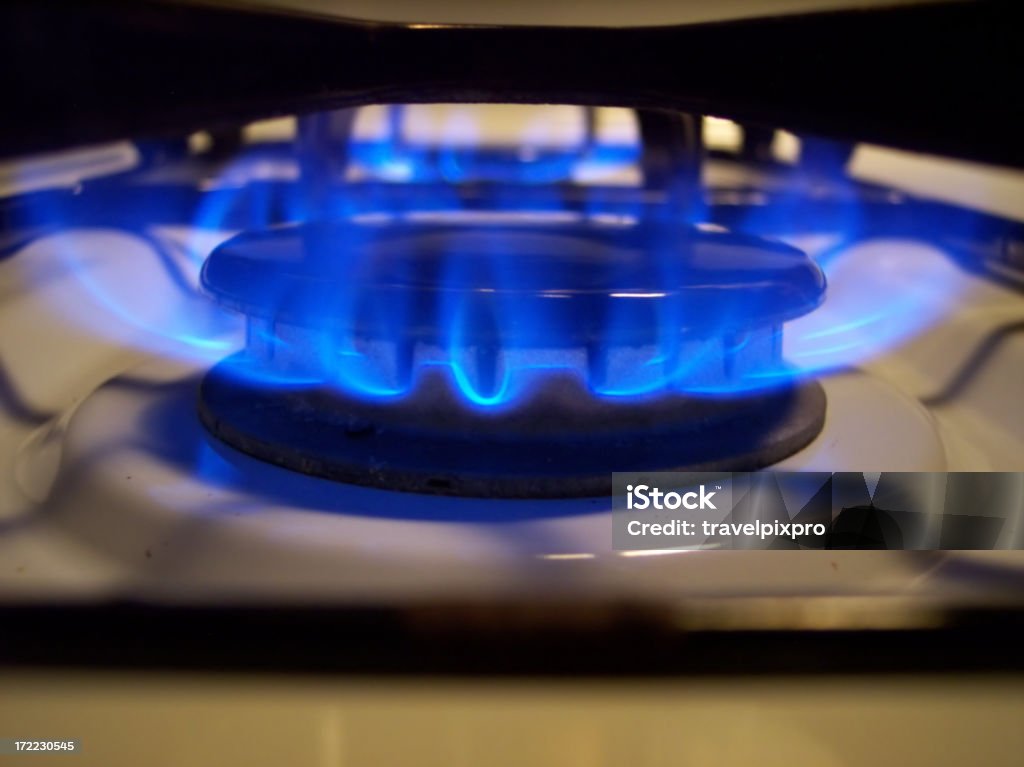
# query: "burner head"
516 358
633 308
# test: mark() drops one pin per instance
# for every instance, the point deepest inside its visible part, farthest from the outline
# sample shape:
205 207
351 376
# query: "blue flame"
883 290
491 324
129 287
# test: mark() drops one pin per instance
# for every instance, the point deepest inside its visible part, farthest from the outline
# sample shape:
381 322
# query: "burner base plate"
568 446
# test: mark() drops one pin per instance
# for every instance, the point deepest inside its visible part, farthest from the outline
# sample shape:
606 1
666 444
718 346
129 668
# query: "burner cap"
538 283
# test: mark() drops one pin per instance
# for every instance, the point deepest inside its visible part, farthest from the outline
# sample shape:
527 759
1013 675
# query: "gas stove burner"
517 357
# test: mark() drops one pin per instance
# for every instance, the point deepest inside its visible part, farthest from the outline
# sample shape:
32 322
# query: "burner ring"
562 443
632 305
